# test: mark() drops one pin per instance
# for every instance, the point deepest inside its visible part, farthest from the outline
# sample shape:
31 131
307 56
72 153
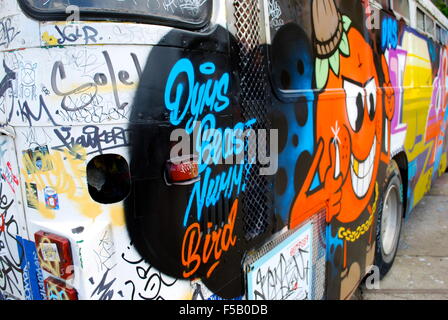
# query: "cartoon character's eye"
354 100
371 98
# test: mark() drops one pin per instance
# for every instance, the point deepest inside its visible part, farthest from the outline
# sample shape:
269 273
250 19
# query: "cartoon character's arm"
333 182
306 202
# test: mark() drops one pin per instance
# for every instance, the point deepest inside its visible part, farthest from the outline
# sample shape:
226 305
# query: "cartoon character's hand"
339 154
337 169
333 181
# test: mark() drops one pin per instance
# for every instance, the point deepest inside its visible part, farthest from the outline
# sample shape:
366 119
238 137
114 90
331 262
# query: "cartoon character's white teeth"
362 172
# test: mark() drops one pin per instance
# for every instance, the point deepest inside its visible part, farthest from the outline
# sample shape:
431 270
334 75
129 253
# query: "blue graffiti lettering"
389 33
213 144
208 190
216 144
211 94
201 101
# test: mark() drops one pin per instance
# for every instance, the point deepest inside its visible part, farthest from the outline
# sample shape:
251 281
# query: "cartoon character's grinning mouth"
362 172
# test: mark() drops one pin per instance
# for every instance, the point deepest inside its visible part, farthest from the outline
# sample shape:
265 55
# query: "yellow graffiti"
67 179
38 154
443 165
417 81
49 40
375 202
352 236
117 216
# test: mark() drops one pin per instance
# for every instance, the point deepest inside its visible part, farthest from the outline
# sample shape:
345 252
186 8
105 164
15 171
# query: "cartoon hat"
327 24
330 29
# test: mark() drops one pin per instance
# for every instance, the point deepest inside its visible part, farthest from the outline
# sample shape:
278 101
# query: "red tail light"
182 171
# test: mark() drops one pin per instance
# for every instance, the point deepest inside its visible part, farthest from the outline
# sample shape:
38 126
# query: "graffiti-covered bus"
211 149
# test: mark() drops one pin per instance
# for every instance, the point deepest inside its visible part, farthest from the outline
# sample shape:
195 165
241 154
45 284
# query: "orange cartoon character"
350 120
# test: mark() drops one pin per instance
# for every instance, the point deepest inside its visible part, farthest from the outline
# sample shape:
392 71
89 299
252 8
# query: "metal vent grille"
253 100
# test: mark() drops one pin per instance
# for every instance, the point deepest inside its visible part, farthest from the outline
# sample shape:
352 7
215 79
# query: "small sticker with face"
51 198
